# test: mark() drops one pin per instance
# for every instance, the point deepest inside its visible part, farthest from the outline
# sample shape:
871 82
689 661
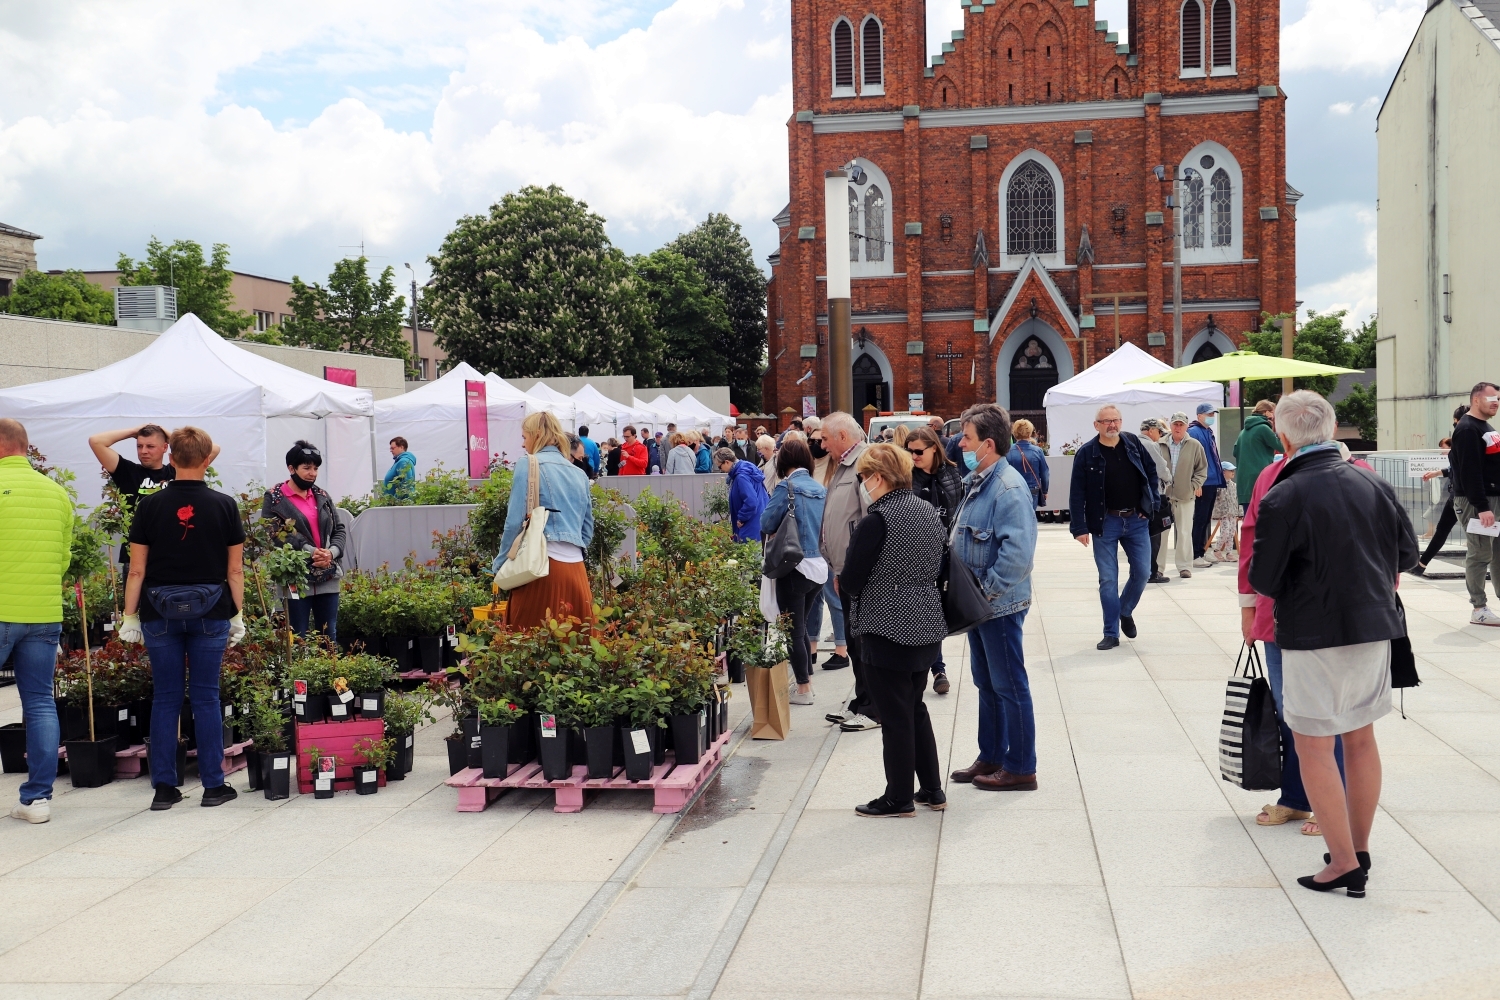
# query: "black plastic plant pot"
13 747
276 775
470 728
723 716
687 737
366 780
659 744
370 704
341 707
310 709
639 747
182 757
189 730
494 750
553 748
430 653
253 768
599 748
578 750
458 752
403 650
323 789
140 719
523 739
712 714
736 669
406 750
91 764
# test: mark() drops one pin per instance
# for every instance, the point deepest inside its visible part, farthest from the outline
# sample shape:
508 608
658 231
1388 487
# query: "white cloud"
1342 108
1360 36
1349 231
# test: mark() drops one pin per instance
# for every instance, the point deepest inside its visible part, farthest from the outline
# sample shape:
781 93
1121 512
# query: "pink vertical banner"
476 412
343 376
1234 393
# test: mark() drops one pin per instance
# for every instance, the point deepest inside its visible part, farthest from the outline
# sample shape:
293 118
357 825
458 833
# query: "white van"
890 421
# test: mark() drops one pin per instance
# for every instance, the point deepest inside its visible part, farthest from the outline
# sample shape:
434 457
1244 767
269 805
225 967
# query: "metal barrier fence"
1416 496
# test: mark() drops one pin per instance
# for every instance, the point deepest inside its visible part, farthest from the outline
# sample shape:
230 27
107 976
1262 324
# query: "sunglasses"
916 452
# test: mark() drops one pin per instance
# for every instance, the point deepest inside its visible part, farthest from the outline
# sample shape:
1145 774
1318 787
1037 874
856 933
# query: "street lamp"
416 347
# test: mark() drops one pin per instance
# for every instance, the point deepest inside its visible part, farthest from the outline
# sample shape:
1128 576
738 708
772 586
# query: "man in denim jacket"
994 534
1112 495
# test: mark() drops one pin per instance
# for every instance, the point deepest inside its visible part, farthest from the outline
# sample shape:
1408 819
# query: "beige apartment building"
17 255
1438 136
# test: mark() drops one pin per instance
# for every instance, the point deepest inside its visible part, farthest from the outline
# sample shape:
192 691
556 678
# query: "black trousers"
1155 551
1445 524
795 594
862 702
1203 515
908 746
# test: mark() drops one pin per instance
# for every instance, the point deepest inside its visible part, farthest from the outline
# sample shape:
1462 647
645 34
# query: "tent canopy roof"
189 369
444 397
1105 382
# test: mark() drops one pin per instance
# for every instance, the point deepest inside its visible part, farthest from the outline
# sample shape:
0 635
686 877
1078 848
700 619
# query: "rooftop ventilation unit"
145 307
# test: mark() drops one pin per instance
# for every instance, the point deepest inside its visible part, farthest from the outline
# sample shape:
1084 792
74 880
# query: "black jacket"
1476 470
944 490
330 528
1330 541
1086 492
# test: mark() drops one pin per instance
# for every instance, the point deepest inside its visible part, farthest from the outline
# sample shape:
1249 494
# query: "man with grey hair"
1112 496
1189 470
842 510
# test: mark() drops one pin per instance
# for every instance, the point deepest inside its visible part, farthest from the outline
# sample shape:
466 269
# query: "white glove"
130 629
237 629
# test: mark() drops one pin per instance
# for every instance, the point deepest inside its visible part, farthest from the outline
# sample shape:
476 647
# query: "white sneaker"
797 698
1202 563
1484 616
858 723
40 810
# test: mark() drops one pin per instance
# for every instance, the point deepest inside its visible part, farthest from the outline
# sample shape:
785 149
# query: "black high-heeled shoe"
1352 882
1363 857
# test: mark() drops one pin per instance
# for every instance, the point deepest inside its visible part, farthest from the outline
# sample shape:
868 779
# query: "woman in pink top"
1257 624
308 509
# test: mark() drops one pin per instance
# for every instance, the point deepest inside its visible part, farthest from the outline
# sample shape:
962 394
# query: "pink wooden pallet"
131 762
234 756
673 785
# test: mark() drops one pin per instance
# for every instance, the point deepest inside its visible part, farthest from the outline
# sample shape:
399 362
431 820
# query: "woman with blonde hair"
564 490
1029 460
681 460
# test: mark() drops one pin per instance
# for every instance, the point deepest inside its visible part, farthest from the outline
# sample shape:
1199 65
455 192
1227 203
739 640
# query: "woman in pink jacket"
1257 624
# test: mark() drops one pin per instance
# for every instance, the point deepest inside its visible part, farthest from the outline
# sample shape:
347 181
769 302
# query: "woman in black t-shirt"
183 598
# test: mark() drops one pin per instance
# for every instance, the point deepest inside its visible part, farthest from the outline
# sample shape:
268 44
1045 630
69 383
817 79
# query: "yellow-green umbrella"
1246 366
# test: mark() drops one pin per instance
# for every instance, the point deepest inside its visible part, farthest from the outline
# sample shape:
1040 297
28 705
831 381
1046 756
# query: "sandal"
1277 815
1316 831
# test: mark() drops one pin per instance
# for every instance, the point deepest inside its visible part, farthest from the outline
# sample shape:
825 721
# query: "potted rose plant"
404 712
375 755
499 718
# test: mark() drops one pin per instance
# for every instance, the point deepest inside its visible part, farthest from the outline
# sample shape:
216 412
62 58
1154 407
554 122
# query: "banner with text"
476 410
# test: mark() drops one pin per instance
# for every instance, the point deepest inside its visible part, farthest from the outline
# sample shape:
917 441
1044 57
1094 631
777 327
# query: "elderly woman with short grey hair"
1331 540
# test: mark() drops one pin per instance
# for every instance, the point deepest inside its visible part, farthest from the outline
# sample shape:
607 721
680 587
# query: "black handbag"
784 551
964 603
182 601
1250 735
1161 520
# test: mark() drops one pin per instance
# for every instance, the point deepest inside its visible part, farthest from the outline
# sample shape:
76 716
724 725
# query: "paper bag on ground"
770 708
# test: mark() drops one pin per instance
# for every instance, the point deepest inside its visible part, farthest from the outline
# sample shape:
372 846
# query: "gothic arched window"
874 223
1222 203
1222 33
1212 205
1192 210
872 57
1031 211
843 59
1192 38
853 226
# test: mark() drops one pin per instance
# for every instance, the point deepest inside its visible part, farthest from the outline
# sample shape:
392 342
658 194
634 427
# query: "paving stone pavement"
1133 871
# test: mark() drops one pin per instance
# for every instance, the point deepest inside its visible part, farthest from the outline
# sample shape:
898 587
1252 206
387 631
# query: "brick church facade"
1002 197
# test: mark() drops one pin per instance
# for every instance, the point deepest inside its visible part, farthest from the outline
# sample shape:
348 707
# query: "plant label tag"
474 742
278 763
549 727
133 721
109 626
452 639
338 708
452 632
639 742
124 715
228 711
326 767
346 696
410 643
299 690
367 776
408 739
323 784
369 705
291 592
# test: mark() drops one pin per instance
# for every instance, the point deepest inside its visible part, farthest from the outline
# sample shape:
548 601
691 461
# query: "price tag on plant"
369 705
299 690
408 739
639 742
278 763
368 775
338 709
346 696
124 715
323 784
549 727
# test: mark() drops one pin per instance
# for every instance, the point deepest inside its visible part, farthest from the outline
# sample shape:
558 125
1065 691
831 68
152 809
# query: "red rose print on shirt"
185 518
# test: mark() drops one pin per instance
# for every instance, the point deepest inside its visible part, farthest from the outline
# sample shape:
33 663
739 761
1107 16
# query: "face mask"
815 446
971 460
1210 419
864 495
302 484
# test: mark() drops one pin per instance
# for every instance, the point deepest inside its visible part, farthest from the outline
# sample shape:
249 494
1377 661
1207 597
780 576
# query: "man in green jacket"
36 540
1254 449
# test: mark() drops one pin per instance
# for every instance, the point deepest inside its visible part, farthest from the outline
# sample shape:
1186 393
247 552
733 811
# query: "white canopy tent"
659 418
434 419
254 409
566 413
716 422
1072 405
576 413
591 399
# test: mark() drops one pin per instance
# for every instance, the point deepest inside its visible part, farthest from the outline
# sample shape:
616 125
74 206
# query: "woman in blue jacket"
796 592
1027 458
747 495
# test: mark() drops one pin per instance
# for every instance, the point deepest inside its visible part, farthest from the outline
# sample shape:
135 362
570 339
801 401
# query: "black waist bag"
180 601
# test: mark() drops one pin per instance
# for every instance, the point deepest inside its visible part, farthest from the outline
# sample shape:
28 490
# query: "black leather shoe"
836 662
1159 578
940 684
935 800
218 796
166 797
1127 625
882 808
1352 882
1108 642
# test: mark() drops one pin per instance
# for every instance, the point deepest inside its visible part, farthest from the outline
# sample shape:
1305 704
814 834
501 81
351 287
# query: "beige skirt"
1327 692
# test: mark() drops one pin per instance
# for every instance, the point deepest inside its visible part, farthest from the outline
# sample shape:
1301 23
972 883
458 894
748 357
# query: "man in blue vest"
590 451
1202 430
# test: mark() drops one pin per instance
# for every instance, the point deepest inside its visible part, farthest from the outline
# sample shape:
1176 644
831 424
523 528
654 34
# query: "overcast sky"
296 132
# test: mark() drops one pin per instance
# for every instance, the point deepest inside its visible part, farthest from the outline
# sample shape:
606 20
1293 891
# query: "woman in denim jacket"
994 534
564 491
796 592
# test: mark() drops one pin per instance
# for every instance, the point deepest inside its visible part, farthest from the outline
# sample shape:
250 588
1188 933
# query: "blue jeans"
194 646
322 608
36 659
1133 535
835 608
1007 725
1292 794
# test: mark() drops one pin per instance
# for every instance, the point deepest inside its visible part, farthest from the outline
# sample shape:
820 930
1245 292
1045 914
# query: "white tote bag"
527 559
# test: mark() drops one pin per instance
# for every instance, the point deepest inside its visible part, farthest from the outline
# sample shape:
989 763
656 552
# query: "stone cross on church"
950 355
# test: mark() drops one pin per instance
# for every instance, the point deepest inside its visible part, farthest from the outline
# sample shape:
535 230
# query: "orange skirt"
564 592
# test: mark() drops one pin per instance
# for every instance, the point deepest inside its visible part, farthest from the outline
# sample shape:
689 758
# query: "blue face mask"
971 460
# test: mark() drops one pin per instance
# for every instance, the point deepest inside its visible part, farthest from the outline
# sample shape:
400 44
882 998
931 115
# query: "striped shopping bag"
1249 736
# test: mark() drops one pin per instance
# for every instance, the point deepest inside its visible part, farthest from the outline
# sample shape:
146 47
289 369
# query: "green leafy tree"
1321 338
1362 346
202 283
69 296
352 313
724 256
1358 408
691 320
535 289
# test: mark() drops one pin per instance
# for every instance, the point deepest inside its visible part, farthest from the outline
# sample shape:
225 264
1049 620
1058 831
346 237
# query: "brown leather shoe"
1003 781
978 767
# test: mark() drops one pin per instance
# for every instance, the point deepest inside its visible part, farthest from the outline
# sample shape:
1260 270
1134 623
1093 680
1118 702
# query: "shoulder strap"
533 483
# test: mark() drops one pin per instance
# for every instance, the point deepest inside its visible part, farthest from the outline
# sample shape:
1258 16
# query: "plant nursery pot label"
368 776
338 709
549 727
279 763
638 741
346 696
369 705
408 739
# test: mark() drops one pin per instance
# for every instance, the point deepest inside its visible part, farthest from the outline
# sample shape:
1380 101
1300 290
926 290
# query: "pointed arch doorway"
869 385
